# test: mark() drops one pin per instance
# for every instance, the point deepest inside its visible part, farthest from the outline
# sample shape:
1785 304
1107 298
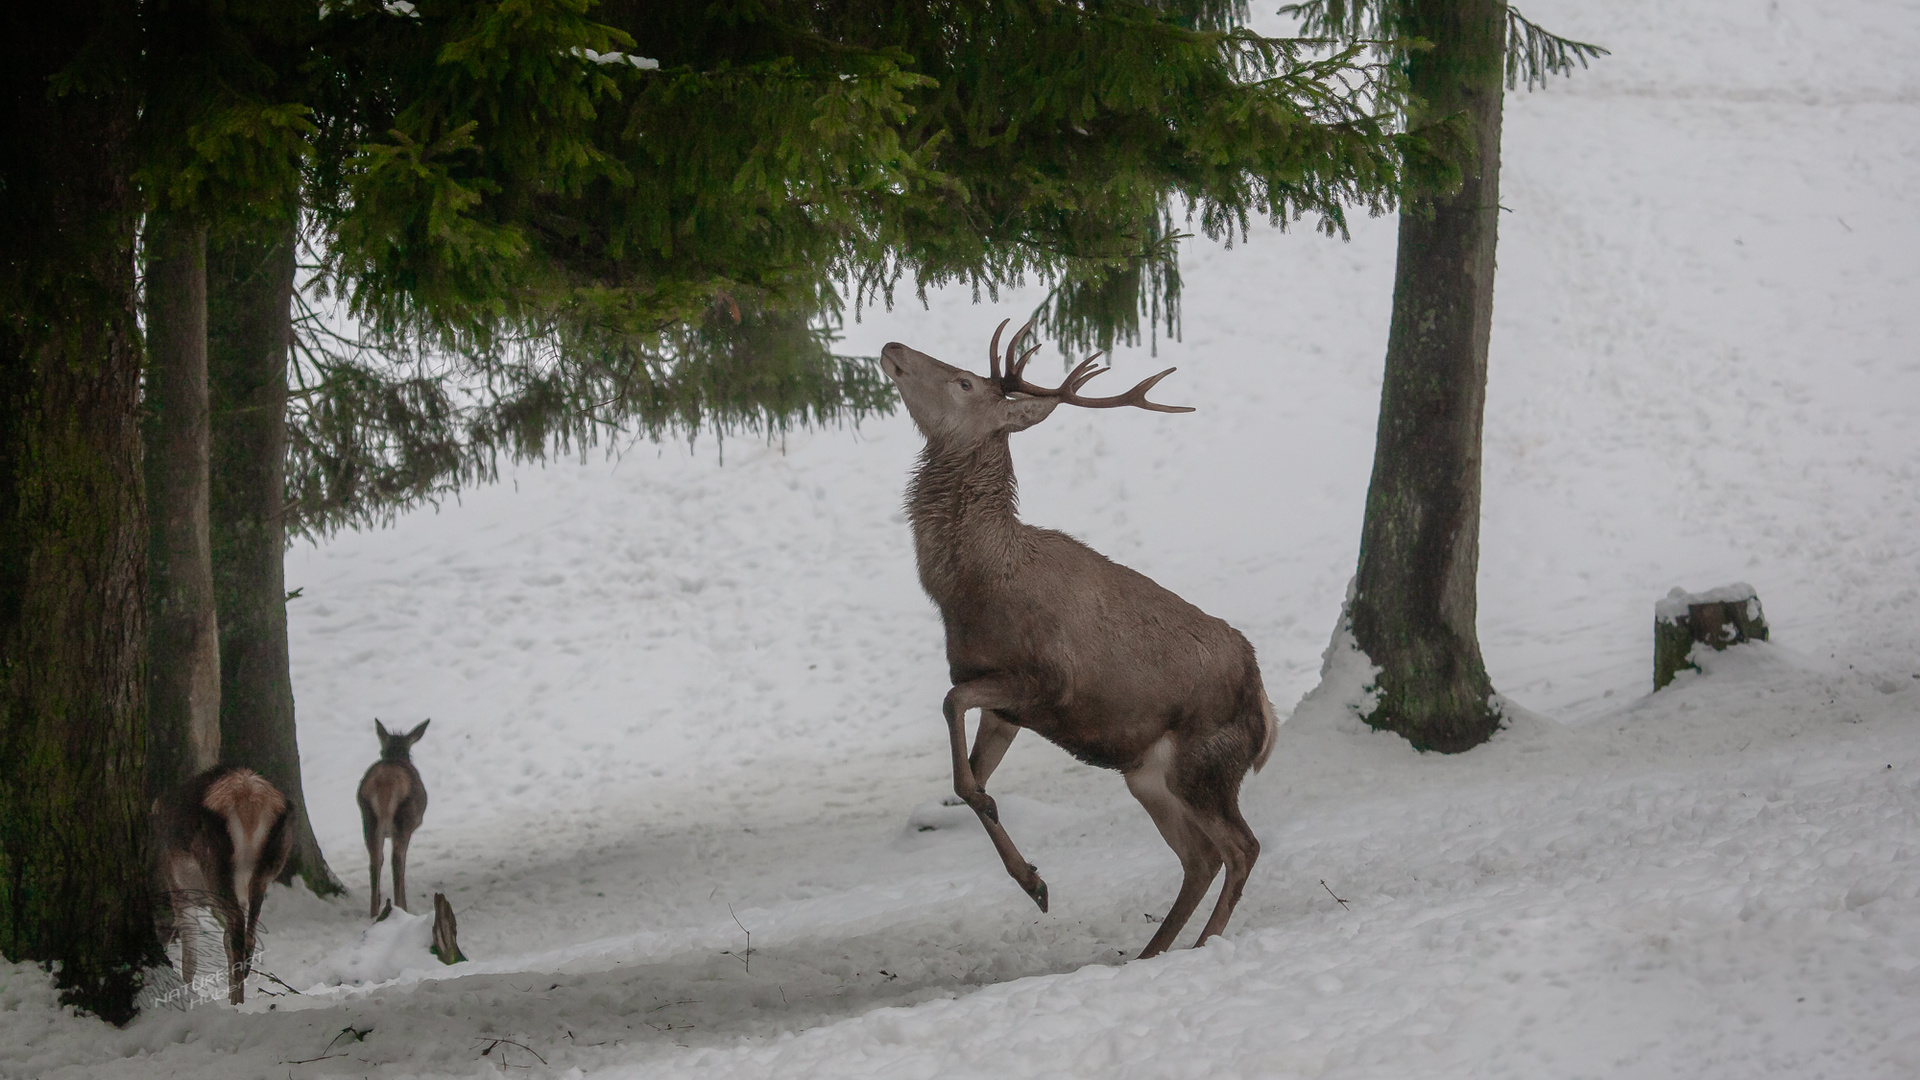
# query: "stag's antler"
1013 381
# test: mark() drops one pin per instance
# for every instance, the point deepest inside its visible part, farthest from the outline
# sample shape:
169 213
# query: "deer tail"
1269 735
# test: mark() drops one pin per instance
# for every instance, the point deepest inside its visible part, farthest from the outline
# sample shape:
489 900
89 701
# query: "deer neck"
963 504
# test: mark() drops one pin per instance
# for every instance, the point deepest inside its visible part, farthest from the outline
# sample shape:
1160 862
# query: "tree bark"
1415 600
183 634
75 886
250 330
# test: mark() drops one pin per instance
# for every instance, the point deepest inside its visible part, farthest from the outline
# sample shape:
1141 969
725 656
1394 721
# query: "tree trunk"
75 883
1415 600
250 329
183 634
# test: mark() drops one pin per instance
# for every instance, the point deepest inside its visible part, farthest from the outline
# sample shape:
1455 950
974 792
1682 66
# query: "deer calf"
392 801
1045 633
222 837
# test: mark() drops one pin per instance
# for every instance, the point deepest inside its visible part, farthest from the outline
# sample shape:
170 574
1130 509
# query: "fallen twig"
1336 899
493 1043
745 958
359 1035
281 982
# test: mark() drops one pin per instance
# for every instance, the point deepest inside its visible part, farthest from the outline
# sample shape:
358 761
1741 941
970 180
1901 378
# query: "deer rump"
223 837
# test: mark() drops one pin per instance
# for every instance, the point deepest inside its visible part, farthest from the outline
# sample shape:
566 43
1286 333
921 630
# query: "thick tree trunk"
183 635
75 884
250 329
1415 603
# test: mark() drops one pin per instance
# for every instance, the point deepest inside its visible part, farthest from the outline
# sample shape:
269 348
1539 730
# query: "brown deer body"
222 837
1045 633
393 800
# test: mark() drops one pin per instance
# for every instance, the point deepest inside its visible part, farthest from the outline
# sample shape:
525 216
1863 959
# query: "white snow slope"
676 701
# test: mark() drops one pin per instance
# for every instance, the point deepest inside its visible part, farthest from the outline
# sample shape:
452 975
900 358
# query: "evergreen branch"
1534 53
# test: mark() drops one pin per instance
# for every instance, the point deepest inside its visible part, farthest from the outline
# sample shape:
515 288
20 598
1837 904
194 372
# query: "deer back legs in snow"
1195 805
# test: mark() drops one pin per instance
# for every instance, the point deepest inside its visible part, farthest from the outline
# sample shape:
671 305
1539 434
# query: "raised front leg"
988 694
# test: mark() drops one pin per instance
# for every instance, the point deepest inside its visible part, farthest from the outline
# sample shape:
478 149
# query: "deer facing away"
392 800
1047 634
222 837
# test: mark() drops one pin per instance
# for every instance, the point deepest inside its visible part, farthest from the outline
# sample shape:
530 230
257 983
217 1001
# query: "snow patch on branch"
643 63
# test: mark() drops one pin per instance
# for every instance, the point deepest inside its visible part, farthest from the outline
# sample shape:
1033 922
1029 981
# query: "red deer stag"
1045 633
392 801
222 837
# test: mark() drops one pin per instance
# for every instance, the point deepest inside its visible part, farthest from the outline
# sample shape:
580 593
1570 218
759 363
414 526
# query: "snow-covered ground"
684 709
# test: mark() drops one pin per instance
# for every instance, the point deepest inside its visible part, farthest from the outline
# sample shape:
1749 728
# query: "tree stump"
446 931
1718 617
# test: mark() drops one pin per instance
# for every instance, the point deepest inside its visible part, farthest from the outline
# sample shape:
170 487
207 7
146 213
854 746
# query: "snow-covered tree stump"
1718 617
446 931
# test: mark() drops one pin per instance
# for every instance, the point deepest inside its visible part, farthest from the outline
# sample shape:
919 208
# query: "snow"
1674 605
687 763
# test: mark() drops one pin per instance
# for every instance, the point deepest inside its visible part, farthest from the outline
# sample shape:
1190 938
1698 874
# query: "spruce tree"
1415 597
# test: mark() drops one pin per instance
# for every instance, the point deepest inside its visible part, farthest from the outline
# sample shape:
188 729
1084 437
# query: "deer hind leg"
186 928
1210 786
990 744
233 924
401 838
1199 858
986 694
375 840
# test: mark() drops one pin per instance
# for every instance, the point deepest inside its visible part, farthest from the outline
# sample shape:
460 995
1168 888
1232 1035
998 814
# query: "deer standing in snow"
392 801
222 837
1045 633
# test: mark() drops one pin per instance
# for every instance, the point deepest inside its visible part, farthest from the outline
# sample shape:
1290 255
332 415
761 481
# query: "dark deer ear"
1019 414
380 729
414 735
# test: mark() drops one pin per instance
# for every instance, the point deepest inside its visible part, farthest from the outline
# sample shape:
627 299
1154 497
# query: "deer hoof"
1038 888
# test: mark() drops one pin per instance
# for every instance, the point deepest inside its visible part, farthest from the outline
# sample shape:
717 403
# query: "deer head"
950 404
395 746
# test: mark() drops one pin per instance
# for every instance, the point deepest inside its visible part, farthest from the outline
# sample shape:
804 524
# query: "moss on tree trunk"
250 329
74 877
1415 601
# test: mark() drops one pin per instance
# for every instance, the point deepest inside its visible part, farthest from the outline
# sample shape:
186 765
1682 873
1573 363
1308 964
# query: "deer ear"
380 729
414 735
1022 413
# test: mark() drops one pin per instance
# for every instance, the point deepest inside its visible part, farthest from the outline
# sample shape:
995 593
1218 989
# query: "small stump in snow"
1718 617
446 931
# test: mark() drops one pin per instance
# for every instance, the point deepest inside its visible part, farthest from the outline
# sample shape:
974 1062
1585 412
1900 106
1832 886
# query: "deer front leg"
986 694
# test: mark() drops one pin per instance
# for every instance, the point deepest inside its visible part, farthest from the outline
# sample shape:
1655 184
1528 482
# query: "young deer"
392 801
1045 633
222 837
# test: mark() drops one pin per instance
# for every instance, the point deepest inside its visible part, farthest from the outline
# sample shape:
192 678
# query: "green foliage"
218 140
1532 54
374 433
527 206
